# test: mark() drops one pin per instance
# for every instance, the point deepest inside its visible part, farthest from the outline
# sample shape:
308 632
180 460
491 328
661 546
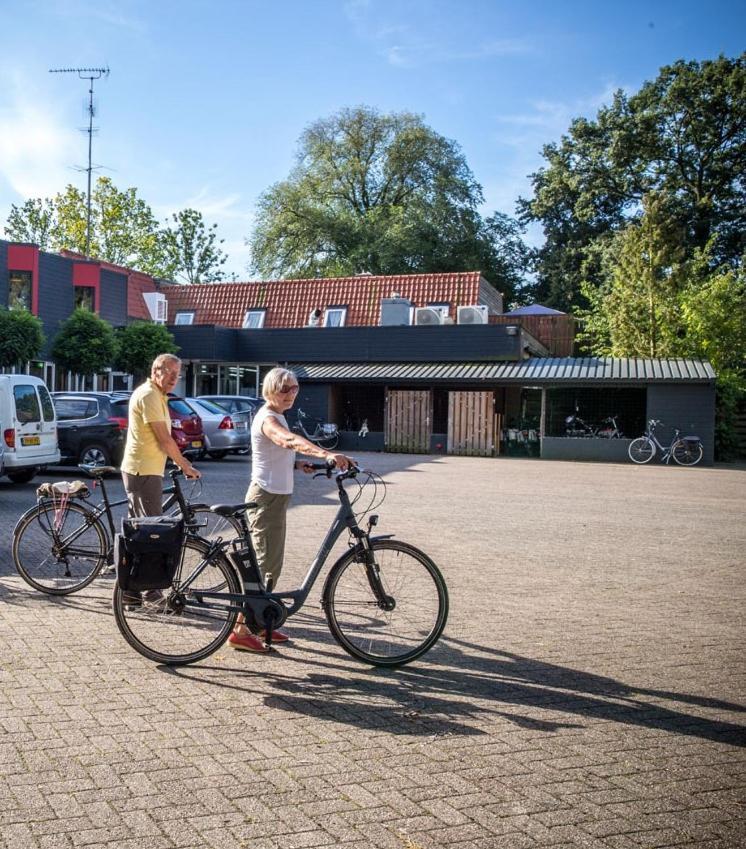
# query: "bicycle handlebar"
325 470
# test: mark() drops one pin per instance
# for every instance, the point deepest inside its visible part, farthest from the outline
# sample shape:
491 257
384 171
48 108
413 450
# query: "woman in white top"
273 447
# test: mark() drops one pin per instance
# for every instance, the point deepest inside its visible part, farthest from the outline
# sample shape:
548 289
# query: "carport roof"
536 370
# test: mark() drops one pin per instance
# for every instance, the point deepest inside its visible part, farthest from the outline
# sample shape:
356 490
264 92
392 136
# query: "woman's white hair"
274 380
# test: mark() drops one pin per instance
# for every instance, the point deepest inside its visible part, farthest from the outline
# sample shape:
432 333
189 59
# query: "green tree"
192 249
85 343
383 194
139 343
35 221
682 135
21 337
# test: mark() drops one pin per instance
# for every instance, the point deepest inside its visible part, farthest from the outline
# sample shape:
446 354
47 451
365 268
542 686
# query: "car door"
36 428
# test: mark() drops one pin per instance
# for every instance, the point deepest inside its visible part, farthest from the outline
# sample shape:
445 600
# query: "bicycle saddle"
98 471
232 509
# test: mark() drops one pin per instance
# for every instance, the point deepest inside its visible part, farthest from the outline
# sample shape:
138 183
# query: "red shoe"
246 642
277 636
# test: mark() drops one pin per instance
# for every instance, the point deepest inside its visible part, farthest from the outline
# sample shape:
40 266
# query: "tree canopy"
139 343
21 337
85 343
683 136
124 231
383 194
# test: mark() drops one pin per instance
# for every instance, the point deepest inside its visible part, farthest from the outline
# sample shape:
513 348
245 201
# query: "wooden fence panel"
409 416
473 425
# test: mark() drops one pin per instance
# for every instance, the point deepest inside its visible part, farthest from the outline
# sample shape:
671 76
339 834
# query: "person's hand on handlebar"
190 471
341 461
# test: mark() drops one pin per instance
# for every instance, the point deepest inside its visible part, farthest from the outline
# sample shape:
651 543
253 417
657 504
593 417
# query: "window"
184 318
47 407
27 404
253 319
75 408
19 290
335 317
85 297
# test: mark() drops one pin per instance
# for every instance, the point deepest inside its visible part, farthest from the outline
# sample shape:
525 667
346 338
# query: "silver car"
224 433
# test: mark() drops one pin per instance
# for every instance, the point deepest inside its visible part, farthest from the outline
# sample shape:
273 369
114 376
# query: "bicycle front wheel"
59 550
397 628
687 453
641 450
178 628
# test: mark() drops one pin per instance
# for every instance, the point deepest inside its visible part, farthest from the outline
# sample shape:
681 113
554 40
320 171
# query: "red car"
186 426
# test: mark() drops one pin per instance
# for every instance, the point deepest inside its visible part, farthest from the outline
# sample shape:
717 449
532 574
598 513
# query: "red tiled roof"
288 303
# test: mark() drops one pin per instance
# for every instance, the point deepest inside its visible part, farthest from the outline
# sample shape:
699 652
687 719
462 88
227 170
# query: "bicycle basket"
329 429
147 552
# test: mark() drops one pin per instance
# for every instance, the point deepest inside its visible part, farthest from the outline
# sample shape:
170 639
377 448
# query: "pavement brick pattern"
588 692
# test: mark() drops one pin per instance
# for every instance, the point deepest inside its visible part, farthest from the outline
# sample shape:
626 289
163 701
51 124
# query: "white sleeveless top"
271 465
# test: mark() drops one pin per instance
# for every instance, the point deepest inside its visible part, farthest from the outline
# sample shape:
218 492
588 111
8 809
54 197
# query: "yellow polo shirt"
142 454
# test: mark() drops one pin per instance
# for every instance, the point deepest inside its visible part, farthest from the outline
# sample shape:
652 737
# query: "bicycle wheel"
402 628
59 551
641 450
179 629
328 442
687 453
210 526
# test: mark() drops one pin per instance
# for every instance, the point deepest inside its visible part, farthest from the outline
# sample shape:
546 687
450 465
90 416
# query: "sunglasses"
286 390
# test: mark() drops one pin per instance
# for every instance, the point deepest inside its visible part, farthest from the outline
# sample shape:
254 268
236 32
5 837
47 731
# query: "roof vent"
314 317
478 314
157 307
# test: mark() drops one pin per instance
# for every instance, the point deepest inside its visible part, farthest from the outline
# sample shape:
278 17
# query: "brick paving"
588 692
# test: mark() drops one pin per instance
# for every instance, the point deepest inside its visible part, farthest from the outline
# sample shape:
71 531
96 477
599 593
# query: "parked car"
28 425
245 405
186 426
224 433
92 427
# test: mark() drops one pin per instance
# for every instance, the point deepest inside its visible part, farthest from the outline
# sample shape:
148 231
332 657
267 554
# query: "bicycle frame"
666 450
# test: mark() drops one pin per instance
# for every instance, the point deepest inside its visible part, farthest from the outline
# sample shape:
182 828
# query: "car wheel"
22 476
217 455
95 455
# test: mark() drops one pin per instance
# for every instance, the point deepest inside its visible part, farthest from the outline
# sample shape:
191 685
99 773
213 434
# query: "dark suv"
91 427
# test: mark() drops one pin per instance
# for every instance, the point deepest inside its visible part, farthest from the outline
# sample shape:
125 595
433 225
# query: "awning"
535 371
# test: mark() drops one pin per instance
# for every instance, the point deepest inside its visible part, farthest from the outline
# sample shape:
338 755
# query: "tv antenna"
89 74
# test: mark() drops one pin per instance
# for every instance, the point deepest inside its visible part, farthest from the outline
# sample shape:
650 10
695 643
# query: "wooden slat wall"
409 416
472 424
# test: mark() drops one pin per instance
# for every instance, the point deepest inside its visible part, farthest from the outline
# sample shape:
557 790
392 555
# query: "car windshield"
177 405
210 406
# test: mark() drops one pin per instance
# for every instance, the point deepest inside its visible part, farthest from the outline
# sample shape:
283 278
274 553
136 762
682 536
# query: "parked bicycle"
385 601
320 432
685 450
577 427
62 543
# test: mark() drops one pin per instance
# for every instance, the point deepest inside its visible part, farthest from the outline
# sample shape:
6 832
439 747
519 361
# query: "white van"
28 426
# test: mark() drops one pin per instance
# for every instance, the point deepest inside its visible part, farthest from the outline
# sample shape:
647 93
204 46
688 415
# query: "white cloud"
38 147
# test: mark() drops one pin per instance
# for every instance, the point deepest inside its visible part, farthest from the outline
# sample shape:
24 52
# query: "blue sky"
206 100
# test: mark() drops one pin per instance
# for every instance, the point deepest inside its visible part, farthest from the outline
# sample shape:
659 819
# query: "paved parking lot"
588 692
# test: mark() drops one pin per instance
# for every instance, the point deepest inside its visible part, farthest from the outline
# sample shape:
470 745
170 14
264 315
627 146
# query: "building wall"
3 274
56 294
688 407
113 305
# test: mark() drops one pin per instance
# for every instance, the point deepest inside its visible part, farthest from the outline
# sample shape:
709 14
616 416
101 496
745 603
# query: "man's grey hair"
165 360
274 380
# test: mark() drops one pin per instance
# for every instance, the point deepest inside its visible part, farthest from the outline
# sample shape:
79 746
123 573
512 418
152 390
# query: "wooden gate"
409 420
473 426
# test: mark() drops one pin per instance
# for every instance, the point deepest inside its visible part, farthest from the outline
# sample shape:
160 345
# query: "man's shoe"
152 596
277 636
131 601
247 642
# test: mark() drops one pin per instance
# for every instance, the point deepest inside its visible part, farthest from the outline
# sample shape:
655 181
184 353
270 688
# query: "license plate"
30 440
196 443
241 426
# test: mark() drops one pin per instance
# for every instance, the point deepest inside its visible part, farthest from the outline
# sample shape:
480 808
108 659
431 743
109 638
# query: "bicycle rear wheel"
404 625
59 551
687 453
641 450
210 526
177 628
328 442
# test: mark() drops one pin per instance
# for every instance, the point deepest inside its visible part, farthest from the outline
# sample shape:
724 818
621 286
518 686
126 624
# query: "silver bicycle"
685 450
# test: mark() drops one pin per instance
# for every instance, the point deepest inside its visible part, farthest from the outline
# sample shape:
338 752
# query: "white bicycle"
685 450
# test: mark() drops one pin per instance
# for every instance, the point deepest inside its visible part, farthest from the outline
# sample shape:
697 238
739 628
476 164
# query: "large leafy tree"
139 343
192 249
682 135
35 221
383 194
85 343
21 337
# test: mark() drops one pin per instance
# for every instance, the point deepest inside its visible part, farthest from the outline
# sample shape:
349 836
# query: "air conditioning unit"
478 314
428 315
157 306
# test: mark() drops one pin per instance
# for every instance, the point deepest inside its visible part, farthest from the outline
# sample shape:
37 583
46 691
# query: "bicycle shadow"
456 688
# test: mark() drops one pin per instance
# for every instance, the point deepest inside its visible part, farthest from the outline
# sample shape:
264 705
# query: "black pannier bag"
147 552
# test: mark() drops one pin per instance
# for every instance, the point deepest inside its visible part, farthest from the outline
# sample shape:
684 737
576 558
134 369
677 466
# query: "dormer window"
335 316
19 290
184 318
253 319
